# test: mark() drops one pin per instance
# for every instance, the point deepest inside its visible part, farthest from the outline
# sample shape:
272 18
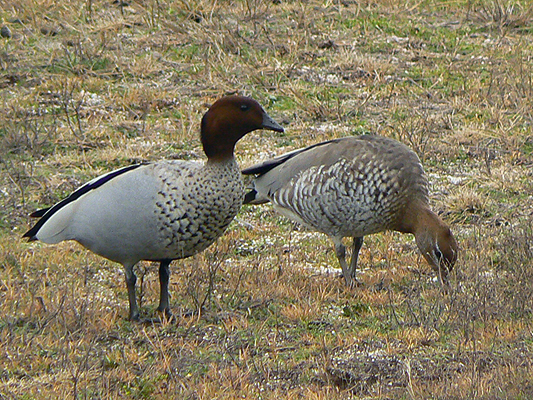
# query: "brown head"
228 120
436 243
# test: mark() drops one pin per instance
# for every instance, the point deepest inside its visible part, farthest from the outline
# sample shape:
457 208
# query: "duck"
355 186
160 211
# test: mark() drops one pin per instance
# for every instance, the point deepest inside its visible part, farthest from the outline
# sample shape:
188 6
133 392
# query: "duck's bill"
269 123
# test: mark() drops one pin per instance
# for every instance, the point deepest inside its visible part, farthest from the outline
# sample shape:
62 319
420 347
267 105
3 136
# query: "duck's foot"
166 317
351 282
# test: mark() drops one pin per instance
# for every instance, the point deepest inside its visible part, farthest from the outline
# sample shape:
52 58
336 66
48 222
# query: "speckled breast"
195 210
354 197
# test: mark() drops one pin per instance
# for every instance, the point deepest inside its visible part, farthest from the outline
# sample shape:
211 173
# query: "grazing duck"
352 187
160 211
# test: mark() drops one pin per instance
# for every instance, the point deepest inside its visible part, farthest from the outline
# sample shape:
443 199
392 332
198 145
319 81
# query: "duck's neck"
221 162
426 230
415 217
220 150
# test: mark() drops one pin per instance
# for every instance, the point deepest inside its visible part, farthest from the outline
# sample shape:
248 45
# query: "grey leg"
356 247
340 251
164 275
131 280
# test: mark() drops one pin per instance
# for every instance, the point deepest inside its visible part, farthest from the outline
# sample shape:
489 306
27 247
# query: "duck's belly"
338 219
345 205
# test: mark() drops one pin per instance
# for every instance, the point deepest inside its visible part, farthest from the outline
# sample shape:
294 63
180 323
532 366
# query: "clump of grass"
504 15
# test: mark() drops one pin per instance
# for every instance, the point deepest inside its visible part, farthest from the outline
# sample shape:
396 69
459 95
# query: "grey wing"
288 166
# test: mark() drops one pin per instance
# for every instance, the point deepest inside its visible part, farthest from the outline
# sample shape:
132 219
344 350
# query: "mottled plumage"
160 211
352 187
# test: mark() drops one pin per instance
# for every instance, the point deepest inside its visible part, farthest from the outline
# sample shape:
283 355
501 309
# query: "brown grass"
89 86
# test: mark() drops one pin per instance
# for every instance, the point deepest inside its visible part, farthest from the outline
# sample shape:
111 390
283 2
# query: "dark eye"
438 254
245 107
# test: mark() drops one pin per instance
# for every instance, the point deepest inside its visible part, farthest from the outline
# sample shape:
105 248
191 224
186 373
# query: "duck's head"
228 120
438 245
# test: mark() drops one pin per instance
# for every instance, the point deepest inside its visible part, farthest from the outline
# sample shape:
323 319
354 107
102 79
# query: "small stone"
49 31
328 44
5 31
196 16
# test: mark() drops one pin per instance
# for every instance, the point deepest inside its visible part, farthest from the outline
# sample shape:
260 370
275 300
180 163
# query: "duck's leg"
340 251
356 247
164 275
131 280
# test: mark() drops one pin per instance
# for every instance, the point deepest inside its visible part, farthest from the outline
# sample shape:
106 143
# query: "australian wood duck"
352 187
160 211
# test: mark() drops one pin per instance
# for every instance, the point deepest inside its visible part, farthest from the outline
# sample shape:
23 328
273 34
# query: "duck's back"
352 186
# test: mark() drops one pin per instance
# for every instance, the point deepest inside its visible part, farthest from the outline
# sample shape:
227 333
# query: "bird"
352 187
160 211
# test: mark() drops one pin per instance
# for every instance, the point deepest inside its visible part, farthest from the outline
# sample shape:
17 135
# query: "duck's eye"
439 255
245 107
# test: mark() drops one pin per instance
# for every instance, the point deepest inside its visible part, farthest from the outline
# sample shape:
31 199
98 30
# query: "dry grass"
88 86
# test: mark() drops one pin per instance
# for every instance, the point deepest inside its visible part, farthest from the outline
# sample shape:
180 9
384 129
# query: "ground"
90 86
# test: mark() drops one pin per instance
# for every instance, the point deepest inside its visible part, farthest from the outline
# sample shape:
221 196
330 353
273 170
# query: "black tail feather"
39 213
250 196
